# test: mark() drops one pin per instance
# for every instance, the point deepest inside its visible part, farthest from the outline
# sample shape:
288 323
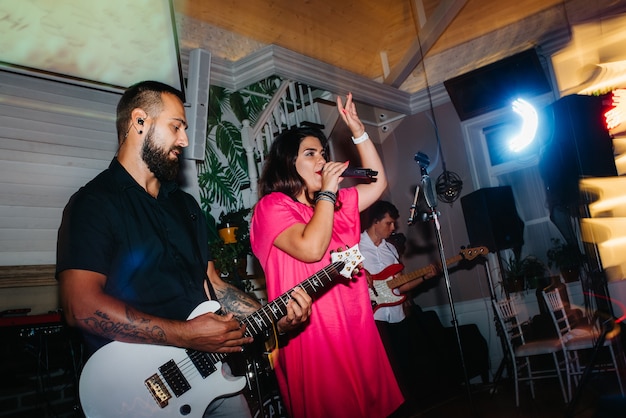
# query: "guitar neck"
263 319
405 278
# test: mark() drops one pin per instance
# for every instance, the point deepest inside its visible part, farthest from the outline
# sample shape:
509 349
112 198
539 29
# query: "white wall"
54 137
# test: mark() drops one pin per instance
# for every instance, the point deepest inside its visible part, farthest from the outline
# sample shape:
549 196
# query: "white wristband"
360 139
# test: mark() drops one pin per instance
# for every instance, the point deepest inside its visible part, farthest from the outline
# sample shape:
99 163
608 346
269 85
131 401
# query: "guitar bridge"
158 390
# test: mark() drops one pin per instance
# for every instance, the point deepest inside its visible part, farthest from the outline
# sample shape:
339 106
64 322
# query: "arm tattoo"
135 329
234 300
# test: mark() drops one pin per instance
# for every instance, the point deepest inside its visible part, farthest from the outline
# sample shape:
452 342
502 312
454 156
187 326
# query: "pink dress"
336 366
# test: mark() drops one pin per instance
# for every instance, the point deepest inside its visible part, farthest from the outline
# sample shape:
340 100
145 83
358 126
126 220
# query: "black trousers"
398 340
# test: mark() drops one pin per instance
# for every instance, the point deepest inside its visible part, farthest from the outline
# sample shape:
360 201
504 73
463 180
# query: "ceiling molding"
274 60
420 102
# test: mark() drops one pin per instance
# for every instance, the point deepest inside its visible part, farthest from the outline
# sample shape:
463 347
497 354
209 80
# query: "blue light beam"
530 121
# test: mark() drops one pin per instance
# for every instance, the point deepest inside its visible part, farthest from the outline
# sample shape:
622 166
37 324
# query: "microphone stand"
431 201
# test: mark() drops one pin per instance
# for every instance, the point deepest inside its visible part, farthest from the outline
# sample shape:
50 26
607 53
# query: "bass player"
380 222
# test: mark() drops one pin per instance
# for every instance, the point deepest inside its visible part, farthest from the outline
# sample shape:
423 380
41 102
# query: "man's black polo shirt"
154 252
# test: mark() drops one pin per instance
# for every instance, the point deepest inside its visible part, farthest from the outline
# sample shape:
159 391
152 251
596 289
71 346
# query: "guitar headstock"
472 253
351 257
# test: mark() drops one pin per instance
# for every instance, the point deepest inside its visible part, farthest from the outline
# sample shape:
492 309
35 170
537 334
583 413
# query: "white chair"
520 350
576 339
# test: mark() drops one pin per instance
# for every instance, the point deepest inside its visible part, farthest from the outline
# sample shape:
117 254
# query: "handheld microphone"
359 173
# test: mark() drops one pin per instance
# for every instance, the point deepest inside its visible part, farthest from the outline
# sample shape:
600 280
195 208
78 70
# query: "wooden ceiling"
380 40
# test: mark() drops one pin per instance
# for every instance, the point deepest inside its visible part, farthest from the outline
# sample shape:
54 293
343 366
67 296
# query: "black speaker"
496 85
491 219
577 144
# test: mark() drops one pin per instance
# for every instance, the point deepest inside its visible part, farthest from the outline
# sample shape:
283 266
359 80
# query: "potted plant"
230 252
229 226
513 275
524 273
566 258
534 273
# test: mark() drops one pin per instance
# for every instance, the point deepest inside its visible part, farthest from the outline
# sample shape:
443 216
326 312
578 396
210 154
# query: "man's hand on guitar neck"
432 271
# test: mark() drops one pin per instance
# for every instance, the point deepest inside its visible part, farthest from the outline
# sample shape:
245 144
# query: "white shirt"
377 258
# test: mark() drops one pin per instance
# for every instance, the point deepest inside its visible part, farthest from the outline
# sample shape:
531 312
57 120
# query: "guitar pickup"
203 362
174 378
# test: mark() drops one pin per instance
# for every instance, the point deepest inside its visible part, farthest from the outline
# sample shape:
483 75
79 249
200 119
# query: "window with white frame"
493 165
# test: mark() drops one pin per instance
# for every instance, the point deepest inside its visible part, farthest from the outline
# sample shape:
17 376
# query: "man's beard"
158 161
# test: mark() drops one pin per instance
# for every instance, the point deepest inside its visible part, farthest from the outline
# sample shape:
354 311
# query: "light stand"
431 201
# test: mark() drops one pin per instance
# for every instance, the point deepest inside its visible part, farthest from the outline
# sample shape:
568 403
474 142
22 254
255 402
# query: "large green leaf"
224 172
228 141
255 104
219 99
218 185
238 106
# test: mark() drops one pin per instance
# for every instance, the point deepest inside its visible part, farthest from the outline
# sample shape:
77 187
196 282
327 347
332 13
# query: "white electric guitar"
144 380
381 292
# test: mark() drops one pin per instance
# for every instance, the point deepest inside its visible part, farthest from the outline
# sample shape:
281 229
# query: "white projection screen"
113 43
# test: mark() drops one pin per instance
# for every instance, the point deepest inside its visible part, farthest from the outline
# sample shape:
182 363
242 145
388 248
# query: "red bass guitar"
381 292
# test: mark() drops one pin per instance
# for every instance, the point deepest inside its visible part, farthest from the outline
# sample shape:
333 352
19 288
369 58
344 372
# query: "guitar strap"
210 287
392 252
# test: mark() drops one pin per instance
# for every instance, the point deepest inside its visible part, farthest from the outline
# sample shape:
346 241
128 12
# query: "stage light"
530 122
606 228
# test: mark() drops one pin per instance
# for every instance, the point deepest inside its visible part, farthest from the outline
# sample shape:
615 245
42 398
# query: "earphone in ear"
140 122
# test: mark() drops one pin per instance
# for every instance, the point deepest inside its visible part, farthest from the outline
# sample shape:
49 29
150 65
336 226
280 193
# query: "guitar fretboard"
405 278
263 319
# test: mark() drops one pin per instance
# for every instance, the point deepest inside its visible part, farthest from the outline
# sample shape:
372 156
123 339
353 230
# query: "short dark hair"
145 95
279 171
378 210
